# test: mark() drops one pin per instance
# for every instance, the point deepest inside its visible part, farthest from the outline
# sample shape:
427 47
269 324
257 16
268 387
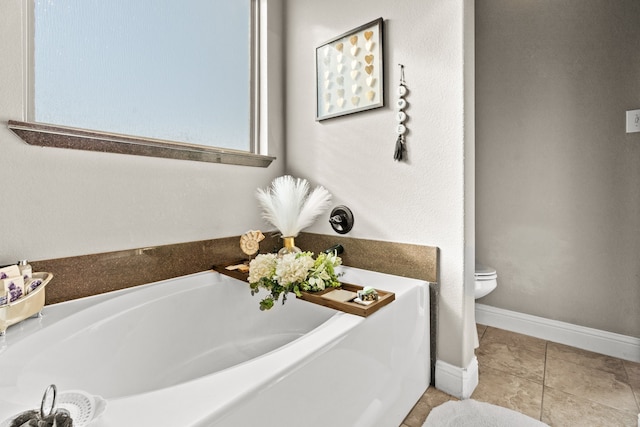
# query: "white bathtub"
197 351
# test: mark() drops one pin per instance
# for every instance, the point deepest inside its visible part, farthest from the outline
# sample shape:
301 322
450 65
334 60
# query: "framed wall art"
349 72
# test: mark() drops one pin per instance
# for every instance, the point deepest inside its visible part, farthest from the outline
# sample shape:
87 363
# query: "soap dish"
357 300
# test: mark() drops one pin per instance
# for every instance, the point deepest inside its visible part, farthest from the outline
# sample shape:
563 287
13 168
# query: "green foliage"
292 273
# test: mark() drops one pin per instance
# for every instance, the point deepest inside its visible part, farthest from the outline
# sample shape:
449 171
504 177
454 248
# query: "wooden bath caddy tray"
317 297
384 298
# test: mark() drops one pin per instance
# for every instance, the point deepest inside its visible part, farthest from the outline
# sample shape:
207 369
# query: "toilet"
486 280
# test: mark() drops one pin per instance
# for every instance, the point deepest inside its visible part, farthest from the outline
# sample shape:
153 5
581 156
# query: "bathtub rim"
269 367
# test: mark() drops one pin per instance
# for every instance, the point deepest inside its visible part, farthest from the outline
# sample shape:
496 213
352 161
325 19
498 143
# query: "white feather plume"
317 202
289 207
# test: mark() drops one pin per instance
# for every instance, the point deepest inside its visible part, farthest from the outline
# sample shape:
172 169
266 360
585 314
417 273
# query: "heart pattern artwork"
353 62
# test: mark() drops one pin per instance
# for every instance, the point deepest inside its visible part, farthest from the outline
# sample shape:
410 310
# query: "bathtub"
197 351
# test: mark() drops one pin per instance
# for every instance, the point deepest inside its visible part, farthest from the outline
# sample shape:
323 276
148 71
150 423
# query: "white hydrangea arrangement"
293 272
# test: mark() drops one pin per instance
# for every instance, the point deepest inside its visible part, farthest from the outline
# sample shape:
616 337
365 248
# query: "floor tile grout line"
544 378
636 396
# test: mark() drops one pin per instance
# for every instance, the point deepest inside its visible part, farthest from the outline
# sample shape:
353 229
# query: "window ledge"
78 139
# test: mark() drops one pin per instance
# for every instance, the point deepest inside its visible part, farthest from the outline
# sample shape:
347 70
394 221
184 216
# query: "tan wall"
557 177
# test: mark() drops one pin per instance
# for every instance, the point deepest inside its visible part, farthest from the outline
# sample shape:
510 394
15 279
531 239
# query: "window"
166 70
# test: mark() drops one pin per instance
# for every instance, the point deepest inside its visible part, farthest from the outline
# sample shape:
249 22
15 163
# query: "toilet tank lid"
482 270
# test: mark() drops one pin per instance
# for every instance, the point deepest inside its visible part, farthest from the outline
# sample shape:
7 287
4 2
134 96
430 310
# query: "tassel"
398 154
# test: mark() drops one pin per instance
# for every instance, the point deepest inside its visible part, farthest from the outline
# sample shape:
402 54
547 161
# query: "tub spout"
336 249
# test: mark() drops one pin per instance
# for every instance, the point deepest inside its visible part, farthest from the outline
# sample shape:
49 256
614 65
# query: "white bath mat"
471 413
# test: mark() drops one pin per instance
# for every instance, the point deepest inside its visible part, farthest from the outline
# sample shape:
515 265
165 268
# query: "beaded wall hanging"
401 116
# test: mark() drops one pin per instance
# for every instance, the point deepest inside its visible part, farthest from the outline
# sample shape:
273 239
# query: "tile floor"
554 383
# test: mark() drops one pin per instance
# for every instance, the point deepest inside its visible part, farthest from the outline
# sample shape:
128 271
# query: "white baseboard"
603 342
456 381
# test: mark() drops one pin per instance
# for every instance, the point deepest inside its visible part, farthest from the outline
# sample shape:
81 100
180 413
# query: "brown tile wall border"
81 276
400 259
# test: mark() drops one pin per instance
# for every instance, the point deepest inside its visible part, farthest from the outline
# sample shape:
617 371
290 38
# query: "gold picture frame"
350 72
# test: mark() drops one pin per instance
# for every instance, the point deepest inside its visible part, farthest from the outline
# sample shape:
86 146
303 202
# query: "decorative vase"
289 247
